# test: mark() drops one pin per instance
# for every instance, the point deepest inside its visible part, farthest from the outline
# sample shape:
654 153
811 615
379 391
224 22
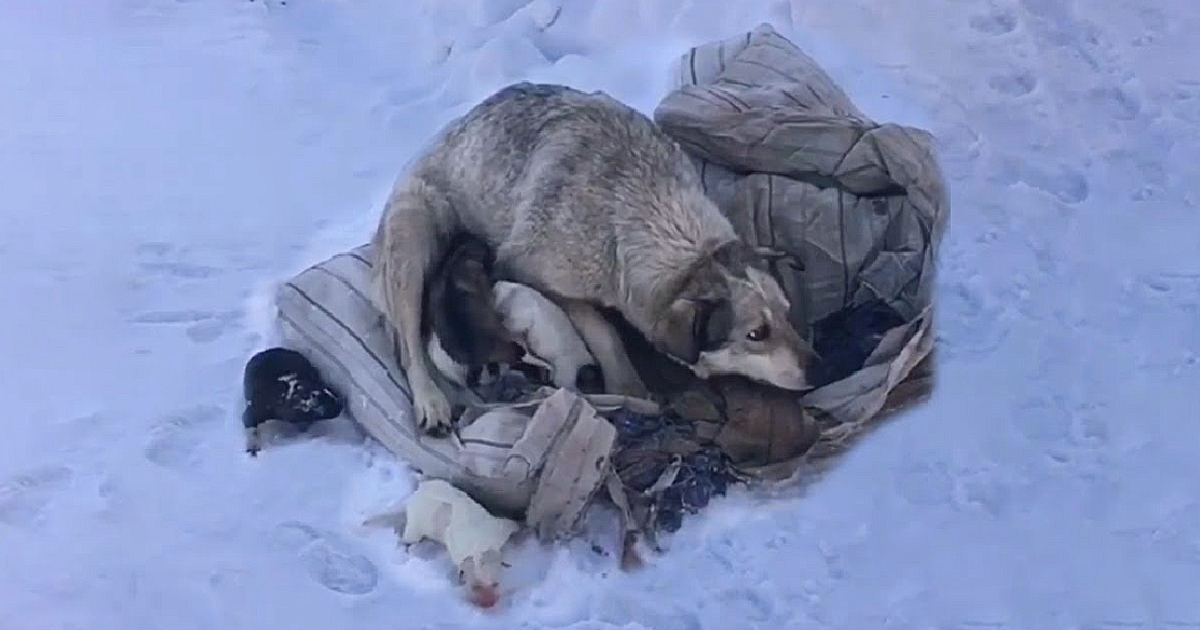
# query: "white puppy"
473 537
547 334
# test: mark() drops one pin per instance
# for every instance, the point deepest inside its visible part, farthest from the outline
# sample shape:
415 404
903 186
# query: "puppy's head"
305 401
324 403
481 577
469 326
732 318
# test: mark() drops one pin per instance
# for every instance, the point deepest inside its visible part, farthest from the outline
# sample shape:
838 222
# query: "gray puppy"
586 200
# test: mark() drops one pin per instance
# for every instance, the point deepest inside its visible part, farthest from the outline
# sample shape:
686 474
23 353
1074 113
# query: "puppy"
465 334
548 337
585 200
473 537
281 384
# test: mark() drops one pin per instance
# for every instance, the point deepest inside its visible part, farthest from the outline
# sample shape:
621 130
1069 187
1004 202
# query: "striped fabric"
505 458
859 206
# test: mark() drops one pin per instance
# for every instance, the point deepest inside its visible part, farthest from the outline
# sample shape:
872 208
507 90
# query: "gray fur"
586 200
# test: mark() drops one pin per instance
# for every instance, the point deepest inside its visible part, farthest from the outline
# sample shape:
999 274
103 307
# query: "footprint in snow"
925 484
745 604
174 317
180 270
175 440
201 326
975 326
998 22
161 259
620 610
25 496
1013 85
985 491
1066 183
1116 102
212 329
327 559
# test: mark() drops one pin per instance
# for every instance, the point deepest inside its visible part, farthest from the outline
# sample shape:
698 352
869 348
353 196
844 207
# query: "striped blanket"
858 207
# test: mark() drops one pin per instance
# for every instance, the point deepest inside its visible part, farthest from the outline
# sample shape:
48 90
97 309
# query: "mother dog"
586 200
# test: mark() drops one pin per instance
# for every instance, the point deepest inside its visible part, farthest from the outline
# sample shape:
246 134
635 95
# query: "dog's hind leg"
408 244
604 342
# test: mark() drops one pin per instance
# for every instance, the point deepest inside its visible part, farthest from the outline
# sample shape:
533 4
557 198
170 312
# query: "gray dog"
586 200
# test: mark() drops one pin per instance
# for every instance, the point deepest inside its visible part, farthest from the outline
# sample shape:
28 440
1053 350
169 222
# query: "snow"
163 162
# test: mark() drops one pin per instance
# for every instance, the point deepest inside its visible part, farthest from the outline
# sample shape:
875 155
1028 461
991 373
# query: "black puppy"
464 331
845 339
281 384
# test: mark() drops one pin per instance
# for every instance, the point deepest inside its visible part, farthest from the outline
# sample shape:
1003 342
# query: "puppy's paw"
432 409
631 560
253 441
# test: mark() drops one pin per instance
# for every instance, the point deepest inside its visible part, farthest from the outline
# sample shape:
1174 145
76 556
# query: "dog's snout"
795 379
809 360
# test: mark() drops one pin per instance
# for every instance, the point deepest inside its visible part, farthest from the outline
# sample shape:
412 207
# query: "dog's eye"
760 333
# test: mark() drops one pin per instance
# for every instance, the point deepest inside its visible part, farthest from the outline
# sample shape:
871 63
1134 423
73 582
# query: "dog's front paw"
432 409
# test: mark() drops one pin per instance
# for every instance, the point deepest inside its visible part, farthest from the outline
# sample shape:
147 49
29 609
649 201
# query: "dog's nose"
484 596
810 361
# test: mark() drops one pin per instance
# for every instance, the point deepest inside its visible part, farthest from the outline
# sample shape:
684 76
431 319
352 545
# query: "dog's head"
481 576
731 317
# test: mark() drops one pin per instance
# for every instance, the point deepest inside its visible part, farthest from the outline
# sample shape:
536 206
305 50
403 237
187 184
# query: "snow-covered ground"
161 161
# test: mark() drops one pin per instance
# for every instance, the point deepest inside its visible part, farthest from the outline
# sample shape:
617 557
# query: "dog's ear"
694 326
737 255
676 331
772 256
734 256
713 323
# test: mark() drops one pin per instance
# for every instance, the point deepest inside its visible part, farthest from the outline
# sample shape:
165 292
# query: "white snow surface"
162 162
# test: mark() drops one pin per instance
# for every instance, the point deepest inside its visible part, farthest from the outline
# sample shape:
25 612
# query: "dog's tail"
413 235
